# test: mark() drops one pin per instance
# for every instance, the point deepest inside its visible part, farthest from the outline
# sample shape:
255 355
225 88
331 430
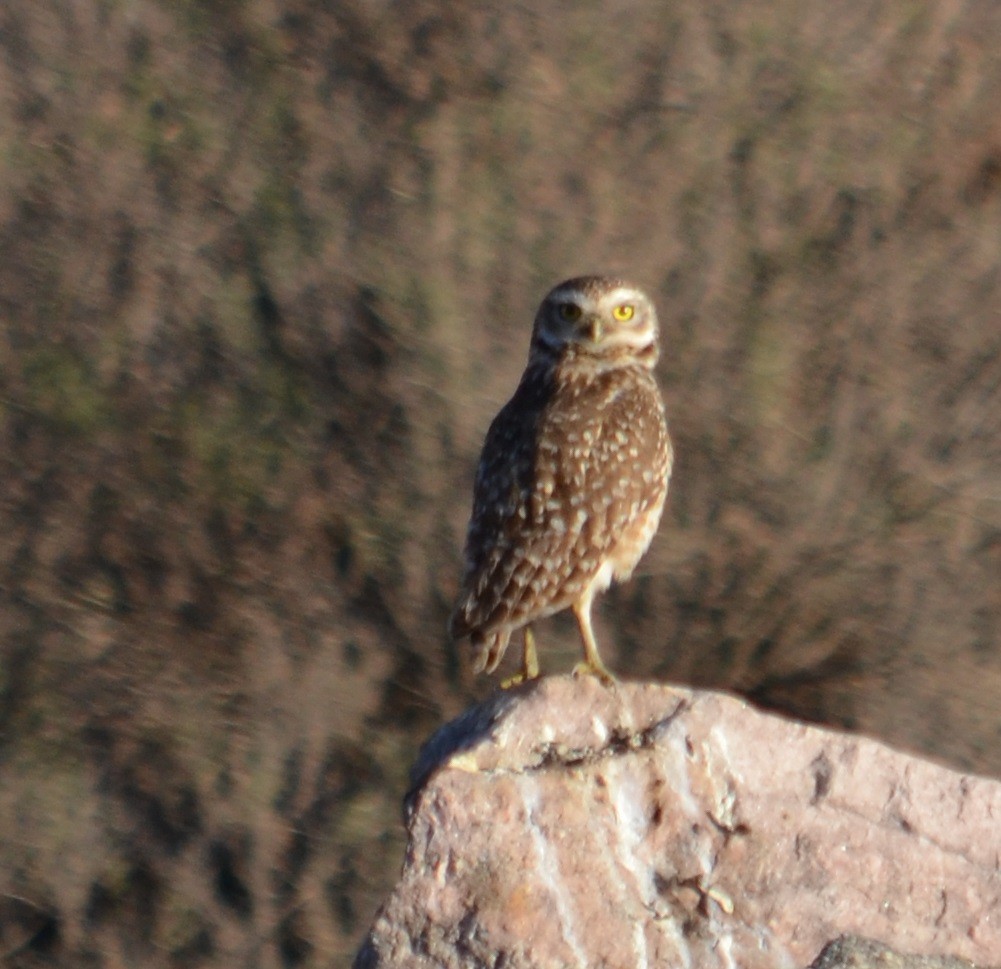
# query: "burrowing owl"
573 475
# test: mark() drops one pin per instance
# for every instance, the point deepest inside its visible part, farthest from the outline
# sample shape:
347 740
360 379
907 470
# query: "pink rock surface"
571 824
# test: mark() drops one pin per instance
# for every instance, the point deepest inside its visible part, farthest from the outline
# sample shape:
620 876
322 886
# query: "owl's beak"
592 329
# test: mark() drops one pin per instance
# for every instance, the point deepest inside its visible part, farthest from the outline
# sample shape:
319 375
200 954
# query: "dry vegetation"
266 270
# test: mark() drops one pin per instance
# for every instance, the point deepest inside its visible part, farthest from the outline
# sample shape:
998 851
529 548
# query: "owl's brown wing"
560 478
504 479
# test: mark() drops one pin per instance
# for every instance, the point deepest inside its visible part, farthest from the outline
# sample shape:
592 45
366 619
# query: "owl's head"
597 316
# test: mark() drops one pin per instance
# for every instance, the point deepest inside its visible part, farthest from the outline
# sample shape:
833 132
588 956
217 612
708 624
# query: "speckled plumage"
573 474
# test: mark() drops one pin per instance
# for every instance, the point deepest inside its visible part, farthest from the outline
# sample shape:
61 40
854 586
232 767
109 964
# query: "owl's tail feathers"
488 649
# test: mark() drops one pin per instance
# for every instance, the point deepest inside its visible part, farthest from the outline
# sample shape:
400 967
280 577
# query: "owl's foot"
598 669
516 680
529 663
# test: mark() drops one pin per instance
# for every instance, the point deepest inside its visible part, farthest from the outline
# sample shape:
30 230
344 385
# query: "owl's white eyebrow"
621 295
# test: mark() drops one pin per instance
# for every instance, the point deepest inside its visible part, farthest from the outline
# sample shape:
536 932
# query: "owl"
573 475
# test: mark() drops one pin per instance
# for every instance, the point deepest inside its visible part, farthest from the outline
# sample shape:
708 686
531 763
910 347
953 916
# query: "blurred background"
267 270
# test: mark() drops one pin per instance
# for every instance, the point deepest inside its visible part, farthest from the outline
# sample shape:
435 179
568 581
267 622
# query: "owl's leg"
529 657
529 662
591 664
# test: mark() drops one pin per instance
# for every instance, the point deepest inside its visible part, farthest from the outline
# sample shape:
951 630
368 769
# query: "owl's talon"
584 668
515 680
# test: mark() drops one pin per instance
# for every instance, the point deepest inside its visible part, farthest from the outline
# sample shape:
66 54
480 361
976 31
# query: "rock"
566 823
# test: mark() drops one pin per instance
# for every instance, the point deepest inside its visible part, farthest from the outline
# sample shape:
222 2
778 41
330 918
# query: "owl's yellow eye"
623 312
570 312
